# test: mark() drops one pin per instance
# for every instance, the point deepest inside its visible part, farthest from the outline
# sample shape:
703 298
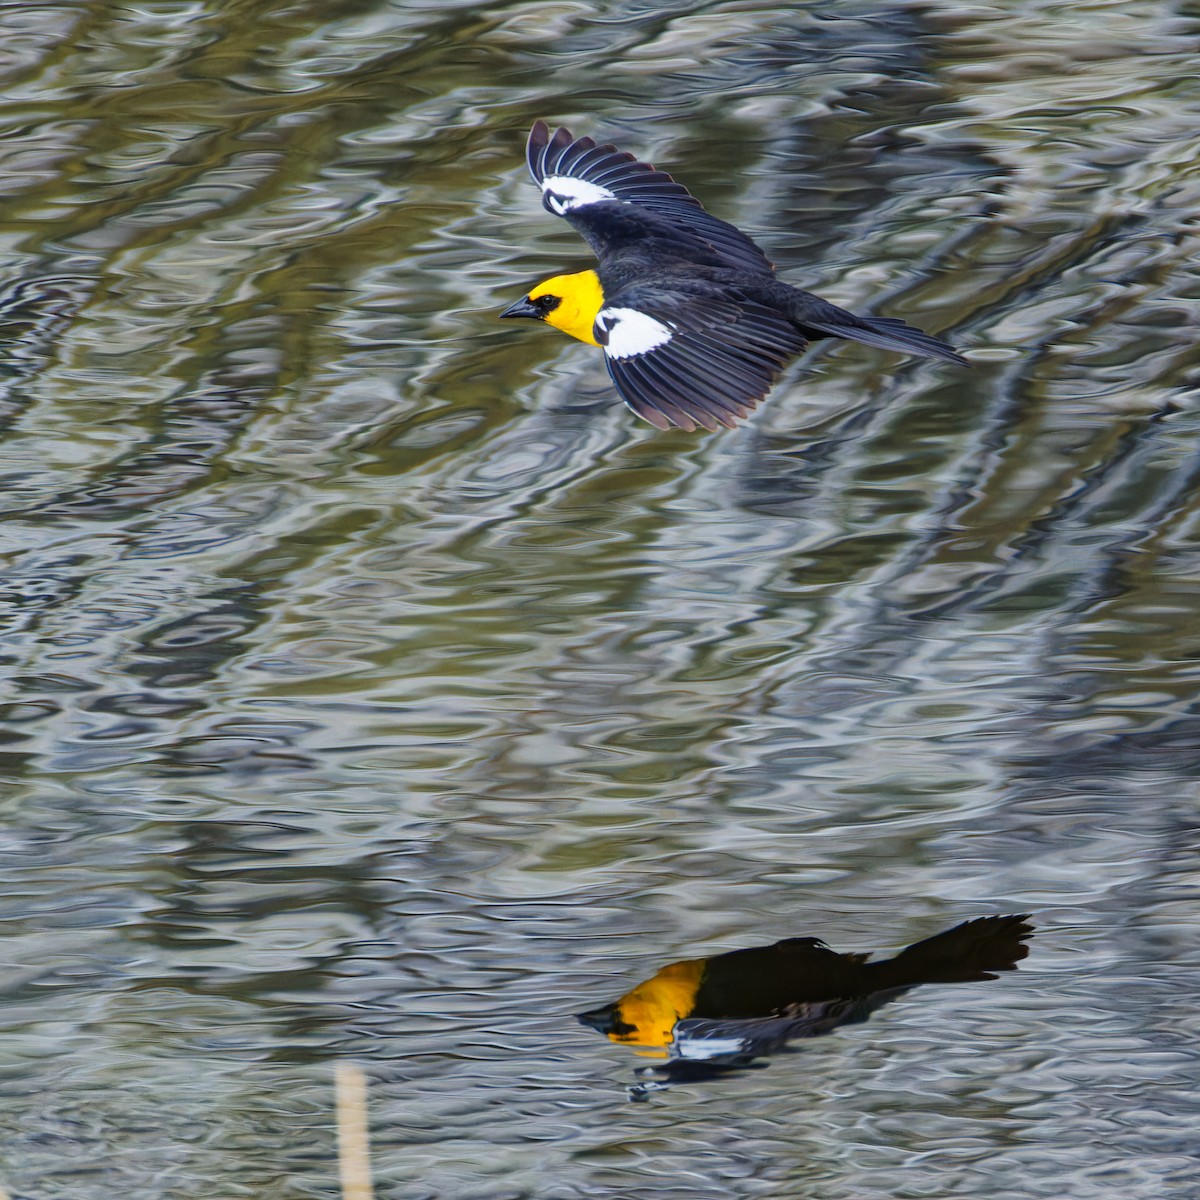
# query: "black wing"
687 361
574 173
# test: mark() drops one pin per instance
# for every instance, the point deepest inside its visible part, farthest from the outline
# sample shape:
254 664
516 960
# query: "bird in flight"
694 324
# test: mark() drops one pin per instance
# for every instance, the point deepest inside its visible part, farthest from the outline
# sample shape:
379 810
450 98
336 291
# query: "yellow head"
646 1016
568 302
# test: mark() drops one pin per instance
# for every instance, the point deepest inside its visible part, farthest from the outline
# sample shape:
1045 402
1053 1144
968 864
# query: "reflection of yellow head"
646 1016
579 300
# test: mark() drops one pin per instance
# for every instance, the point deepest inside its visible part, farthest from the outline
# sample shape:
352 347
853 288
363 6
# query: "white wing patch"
624 332
562 193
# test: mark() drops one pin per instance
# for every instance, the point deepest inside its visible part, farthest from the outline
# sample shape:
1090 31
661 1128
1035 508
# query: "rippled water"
378 687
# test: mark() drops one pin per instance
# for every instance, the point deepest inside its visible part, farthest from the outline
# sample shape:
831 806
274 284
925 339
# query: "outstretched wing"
687 360
575 173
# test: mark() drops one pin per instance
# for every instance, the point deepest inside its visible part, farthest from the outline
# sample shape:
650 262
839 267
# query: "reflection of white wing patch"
708 1047
624 332
562 193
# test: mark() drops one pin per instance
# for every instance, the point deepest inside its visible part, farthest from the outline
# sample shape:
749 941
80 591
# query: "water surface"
378 687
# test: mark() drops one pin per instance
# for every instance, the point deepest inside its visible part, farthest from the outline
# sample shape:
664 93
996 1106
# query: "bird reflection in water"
706 1016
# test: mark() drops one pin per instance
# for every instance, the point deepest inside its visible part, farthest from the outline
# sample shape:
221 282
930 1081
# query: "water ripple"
377 686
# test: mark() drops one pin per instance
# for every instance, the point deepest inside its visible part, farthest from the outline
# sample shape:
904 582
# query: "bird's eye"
547 304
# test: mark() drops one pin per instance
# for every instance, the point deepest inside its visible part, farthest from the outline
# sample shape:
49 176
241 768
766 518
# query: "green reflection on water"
377 685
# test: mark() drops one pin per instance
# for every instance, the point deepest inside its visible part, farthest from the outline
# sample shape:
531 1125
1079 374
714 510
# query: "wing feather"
727 410
689 360
560 156
708 411
678 410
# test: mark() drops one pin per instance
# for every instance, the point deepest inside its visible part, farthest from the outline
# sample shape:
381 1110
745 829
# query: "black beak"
523 308
603 1020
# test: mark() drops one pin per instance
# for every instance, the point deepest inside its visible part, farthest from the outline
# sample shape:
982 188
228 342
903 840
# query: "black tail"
971 951
818 318
890 333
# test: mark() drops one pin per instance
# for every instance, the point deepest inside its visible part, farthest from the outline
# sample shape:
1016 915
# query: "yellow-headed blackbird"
802 980
694 324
